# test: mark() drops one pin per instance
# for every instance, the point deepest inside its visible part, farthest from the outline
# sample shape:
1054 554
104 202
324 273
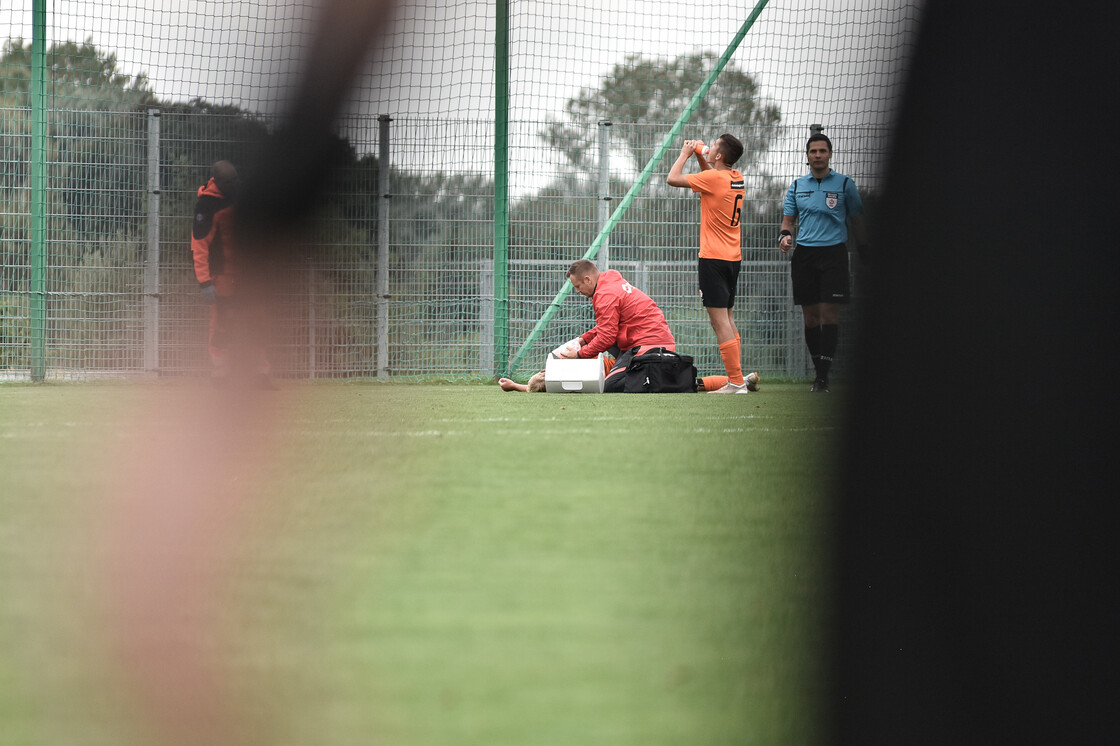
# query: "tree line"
97 180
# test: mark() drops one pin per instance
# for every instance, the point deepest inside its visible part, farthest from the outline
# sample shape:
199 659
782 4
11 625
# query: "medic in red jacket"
625 317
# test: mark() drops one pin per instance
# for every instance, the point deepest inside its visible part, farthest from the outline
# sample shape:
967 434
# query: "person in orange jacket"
214 251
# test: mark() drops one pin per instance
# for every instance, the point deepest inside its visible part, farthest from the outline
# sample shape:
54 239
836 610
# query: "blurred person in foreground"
173 525
976 525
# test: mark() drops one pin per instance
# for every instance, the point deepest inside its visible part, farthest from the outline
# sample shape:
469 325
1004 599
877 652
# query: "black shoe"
819 387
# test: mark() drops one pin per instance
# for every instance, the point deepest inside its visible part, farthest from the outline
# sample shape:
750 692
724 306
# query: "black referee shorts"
718 278
820 275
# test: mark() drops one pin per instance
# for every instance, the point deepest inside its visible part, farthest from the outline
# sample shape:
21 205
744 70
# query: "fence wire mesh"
141 98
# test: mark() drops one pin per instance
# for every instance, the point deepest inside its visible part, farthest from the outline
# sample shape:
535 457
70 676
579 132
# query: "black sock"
813 342
830 336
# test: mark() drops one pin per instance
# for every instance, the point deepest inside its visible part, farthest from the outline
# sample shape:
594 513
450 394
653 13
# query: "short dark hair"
732 149
582 268
818 137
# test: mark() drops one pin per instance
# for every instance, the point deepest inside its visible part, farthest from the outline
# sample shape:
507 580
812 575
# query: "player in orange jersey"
721 189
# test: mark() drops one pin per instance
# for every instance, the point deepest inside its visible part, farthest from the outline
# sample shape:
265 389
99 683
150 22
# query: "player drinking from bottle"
721 191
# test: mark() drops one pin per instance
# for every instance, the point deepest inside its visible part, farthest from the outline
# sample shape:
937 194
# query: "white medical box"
574 375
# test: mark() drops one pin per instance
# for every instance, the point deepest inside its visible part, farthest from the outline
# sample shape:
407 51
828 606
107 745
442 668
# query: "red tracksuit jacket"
624 316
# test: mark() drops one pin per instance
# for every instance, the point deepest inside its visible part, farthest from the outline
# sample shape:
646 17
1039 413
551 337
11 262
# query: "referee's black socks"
822 341
830 336
813 341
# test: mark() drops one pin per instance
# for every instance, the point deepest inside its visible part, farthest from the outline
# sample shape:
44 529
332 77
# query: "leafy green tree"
643 96
80 73
95 137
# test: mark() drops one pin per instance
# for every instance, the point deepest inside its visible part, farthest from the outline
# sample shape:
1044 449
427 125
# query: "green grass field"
413 565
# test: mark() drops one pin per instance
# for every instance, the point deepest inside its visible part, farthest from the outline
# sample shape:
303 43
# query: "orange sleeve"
202 236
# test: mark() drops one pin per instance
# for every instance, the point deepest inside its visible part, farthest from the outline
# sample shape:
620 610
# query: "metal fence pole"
604 189
312 320
486 317
383 246
151 268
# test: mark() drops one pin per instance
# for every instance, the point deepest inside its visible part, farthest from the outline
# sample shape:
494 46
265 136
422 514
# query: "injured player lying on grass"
536 383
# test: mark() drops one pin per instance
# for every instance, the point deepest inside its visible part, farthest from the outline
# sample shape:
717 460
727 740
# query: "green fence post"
501 190
38 315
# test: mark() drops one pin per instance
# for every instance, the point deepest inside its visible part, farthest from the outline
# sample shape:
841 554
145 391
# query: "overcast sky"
830 61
